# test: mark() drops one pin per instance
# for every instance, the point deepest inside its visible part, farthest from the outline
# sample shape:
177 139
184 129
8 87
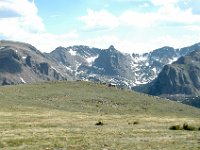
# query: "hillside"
69 96
62 115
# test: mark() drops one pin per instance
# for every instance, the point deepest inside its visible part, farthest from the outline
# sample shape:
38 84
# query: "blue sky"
130 25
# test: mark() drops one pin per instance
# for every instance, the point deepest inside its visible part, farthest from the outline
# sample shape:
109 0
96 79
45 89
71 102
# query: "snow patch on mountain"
24 57
54 69
72 52
173 60
125 70
22 80
146 64
90 60
154 70
68 68
140 58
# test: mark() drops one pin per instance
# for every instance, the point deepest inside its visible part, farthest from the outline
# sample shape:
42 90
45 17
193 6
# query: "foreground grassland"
62 116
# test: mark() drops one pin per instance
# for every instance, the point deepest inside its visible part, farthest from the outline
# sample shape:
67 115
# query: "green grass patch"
185 126
188 127
99 123
175 127
62 115
88 97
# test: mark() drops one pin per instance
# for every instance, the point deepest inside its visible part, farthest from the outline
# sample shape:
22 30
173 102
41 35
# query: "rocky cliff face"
23 63
110 65
179 81
74 56
181 77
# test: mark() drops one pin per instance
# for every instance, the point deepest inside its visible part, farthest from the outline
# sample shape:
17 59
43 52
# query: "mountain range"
161 72
178 81
110 65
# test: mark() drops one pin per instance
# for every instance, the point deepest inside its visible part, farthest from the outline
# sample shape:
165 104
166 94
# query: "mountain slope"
27 64
110 65
180 80
23 63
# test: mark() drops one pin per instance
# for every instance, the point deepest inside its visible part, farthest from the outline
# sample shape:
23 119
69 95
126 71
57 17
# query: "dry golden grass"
52 129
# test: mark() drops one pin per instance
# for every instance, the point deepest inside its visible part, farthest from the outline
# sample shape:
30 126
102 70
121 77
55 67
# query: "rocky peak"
111 48
23 63
186 50
181 77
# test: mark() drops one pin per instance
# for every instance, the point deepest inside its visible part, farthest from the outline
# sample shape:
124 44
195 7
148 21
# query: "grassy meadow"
63 116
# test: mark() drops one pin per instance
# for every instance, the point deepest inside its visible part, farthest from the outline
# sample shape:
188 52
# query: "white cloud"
138 46
101 20
144 5
136 19
24 17
167 15
19 21
168 40
21 7
47 42
164 2
176 26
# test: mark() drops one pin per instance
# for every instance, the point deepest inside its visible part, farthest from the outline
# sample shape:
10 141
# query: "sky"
132 26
